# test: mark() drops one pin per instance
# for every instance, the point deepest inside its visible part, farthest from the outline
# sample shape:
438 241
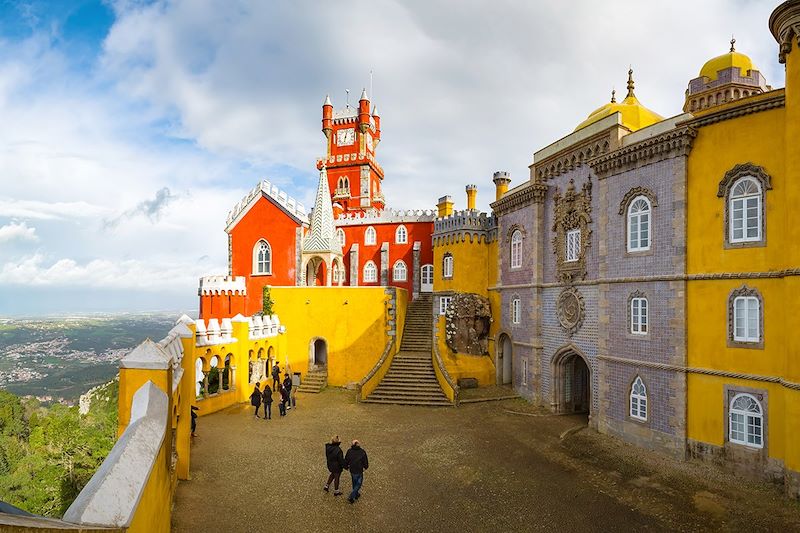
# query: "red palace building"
350 237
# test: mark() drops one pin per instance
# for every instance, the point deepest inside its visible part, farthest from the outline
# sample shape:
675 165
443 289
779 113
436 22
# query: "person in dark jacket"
194 420
284 399
255 399
335 460
287 384
267 396
276 376
356 461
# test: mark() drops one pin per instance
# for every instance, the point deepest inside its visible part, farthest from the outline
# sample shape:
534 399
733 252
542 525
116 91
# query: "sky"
128 128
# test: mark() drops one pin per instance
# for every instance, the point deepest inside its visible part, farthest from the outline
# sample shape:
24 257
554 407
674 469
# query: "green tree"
267 303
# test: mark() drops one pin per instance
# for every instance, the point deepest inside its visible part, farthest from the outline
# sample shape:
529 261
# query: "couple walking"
355 461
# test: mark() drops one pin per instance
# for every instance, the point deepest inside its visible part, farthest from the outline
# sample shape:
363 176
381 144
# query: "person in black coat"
267 395
284 399
276 376
194 420
255 399
287 384
356 461
335 459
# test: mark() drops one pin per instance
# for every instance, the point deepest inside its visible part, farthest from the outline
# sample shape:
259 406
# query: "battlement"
228 285
467 223
265 187
385 216
221 332
353 157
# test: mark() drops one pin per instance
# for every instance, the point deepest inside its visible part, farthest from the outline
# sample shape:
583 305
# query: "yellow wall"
154 510
130 380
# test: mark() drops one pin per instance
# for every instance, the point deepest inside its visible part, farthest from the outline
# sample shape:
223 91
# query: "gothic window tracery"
262 258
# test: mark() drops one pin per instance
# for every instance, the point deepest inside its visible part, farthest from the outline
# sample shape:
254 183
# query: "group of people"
356 461
259 397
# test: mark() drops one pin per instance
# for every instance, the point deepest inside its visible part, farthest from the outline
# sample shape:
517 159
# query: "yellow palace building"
743 259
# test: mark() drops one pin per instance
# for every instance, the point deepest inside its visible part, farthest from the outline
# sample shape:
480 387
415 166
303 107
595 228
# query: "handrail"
388 354
438 364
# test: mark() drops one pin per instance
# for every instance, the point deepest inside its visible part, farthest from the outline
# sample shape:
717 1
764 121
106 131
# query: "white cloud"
17 231
35 209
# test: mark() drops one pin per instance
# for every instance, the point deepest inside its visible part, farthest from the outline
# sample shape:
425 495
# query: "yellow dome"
732 59
635 116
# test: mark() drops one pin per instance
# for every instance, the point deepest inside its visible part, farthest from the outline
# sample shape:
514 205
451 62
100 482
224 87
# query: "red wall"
222 306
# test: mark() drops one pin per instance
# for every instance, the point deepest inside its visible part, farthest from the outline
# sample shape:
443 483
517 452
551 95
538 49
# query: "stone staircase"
313 382
411 379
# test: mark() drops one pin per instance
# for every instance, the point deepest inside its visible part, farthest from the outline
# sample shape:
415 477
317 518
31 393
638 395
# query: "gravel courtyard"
496 466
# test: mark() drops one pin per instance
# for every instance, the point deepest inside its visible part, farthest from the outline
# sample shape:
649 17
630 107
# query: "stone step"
400 401
380 391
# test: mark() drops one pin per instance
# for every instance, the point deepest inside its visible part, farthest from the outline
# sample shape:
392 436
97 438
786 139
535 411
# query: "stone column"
354 265
298 253
415 272
384 279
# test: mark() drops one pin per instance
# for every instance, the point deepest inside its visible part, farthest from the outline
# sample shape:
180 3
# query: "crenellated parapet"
462 226
214 331
227 285
386 216
266 188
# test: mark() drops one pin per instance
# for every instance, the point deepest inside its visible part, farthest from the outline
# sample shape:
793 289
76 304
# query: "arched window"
639 224
746 319
340 236
262 258
639 315
516 249
369 236
400 272
401 235
213 376
227 373
746 421
745 211
638 399
370 272
346 184
447 266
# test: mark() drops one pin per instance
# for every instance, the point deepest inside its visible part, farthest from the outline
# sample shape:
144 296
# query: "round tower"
501 180
327 117
363 112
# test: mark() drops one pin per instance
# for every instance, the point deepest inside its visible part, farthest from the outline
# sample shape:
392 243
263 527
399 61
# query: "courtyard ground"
498 466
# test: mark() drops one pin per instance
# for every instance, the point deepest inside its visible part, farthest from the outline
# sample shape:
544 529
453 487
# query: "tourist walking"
356 461
287 384
194 420
267 394
335 459
284 399
276 376
255 399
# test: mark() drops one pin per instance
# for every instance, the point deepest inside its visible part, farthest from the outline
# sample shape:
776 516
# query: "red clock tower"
352 136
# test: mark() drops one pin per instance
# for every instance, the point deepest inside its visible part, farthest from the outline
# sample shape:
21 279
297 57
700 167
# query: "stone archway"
316 272
504 360
572 379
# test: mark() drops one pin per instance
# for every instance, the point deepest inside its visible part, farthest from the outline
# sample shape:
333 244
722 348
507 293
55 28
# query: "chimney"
445 206
501 180
472 192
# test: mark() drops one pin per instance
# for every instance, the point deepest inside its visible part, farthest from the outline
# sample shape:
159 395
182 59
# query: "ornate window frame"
629 217
747 292
399 267
726 185
448 265
637 297
746 424
515 249
572 211
373 269
638 405
257 260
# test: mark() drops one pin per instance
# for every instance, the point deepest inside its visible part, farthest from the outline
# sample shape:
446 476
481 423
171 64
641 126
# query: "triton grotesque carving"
572 213
467 324
570 310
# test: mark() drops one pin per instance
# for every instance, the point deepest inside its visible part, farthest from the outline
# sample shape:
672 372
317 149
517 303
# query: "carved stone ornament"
634 193
740 171
570 310
467 321
572 212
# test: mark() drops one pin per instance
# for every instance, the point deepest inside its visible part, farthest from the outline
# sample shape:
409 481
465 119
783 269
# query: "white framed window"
638 399
447 266
745 211
401 235
515 310
370 272
444 303
639 315
525 371
516 249
746 424
572 248
639 224
262 258
745 319
340 237
399 272
369 236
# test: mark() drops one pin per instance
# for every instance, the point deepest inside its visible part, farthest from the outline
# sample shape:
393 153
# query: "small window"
340 236
745 211
639 225
572 250
370 272
638 400
338 274
399 272
515 310
369 236
447 266
444 303
639 316
525 371
746 425
401 235
746 319
516 249
262 258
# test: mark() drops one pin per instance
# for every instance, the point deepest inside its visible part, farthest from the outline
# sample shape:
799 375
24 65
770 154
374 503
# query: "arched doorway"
426 281
319 353
316 273
572 388
503 364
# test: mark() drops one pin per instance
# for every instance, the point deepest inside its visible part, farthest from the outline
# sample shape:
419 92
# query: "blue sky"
128 129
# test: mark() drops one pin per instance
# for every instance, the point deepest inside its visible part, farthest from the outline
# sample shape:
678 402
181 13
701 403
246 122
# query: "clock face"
346 137
369 142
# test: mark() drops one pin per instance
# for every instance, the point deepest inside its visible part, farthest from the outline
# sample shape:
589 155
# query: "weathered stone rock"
468 383
467 324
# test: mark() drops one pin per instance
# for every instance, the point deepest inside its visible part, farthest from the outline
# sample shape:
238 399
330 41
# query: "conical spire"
630 83
328 100
364 94
322 237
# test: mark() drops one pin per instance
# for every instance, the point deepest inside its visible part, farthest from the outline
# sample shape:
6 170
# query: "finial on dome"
630 81
613 96
733 41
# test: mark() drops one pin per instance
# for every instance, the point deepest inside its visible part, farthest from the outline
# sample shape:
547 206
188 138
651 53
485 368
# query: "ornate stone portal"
467 322
572 212
570 310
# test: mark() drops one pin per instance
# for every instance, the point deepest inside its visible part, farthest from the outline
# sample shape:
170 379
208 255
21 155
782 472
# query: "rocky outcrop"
467 324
